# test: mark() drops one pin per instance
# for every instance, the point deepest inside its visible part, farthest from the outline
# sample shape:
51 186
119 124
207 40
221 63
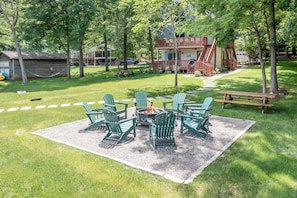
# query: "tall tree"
101 30
273 79
10 11
147 17
173 14
125 8
62 23
254 21
287 32
6 42
225 17
84 10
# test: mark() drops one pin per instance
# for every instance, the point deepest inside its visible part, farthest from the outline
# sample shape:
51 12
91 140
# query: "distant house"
242 57
37 64
94 56
195 54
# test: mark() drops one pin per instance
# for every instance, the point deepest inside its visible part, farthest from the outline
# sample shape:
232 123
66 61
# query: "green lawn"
262 163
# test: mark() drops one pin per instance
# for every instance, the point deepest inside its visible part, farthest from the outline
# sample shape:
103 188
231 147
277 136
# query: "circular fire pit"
143 114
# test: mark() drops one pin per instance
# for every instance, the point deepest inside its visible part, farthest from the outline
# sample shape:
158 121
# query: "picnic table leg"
265 101
223 104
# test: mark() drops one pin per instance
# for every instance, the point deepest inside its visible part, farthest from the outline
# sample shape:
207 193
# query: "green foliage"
57 23
6 42
261 163
287 31
221 69
148 70
197 73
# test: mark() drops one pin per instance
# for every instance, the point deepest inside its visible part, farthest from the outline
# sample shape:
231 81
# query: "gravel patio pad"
180 164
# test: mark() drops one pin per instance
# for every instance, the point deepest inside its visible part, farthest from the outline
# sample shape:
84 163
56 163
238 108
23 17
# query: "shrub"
197 73
159 71
221 69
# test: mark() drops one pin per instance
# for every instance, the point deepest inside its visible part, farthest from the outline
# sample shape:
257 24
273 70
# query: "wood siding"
33 67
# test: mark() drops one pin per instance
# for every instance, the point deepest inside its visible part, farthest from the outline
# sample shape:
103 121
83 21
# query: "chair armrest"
109 105
148 100
201 113
165 103
93 113
123 103
199 109
150 121
180 106
197 117
192 105
133 118
98 109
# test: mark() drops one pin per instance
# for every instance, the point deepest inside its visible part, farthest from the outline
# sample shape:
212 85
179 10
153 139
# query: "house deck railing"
168 65
231 64
184 66
182 42
205 68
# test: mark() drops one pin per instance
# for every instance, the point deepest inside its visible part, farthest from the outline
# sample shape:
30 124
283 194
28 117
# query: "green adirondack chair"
94 115
176 105
118 129
196 123
141 101
162 129
199 108
111 104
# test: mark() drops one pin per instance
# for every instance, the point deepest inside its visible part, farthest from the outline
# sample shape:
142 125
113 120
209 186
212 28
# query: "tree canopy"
130 26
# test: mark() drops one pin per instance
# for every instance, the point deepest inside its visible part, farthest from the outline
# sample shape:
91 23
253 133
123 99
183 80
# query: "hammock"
50 76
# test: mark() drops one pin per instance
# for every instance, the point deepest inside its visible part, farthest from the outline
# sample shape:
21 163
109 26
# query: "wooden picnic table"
124 73
247 98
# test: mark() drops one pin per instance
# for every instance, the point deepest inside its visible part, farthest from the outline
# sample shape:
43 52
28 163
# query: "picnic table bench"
125 73
247 98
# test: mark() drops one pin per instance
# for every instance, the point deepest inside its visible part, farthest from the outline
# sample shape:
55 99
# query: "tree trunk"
294 51
19 52
125 48
106 52
260 54
175 61
151 46
81 59
12 24
68 61
287 51
262 63
273 78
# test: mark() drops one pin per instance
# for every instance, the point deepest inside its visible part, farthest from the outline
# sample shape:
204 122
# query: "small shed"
37 64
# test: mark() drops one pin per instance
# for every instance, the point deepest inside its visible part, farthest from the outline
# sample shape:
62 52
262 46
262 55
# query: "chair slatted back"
109 100
178 98
206 104
206 117
112 121
141 100
197 122
89 110
165 123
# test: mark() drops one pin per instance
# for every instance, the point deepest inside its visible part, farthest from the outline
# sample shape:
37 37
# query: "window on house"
171 56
